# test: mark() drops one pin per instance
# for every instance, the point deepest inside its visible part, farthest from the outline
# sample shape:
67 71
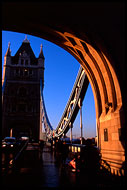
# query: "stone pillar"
111 141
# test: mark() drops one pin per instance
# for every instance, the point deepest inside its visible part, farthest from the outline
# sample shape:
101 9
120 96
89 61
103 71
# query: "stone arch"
77 31
105 87
103 79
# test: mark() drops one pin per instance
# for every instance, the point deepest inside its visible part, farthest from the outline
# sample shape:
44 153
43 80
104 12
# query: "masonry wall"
112 142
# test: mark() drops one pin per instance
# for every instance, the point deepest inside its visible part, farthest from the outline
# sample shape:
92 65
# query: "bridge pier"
111 141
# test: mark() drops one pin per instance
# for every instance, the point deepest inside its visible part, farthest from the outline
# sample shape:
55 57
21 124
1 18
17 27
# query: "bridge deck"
44 169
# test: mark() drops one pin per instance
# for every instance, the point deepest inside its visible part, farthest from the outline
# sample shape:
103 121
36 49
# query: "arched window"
17 71
22 61
25 72
26 62
30 71
21 72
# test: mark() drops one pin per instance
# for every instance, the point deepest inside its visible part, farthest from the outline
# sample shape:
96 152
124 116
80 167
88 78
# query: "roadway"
42 168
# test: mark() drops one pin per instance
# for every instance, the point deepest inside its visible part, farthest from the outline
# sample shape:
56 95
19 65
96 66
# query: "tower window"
30 71
17 71
21 72
26 72
22 61
26 62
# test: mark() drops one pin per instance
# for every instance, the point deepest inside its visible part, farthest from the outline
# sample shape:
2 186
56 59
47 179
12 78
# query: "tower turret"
21 97
8 53
7 62
41 55
41 60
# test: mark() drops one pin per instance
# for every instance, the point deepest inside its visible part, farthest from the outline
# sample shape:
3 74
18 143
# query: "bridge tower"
21 96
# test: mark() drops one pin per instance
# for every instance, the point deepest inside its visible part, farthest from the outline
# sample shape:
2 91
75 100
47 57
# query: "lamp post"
80 107
11 130
70 125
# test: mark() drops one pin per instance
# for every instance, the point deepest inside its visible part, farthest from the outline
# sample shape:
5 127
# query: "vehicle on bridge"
9 142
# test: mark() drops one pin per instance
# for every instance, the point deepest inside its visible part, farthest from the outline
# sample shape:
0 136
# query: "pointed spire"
41 47
41 55
26 40
9 45
8 53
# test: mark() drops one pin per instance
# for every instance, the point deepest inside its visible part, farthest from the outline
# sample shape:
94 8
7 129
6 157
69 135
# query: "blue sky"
61 69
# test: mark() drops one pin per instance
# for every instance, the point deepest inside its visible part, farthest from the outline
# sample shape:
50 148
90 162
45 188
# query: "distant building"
21 96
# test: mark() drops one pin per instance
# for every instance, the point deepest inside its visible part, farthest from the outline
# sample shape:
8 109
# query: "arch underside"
99 70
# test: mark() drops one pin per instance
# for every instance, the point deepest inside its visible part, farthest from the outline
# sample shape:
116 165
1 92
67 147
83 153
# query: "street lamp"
80 107
70 125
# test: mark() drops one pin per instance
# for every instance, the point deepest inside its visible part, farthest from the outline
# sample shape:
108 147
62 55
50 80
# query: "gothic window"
22 61
26 72
30 72
26 62
21 72
14 72
17 71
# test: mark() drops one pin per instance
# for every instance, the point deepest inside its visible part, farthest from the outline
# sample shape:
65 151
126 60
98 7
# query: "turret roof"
41 55
25 48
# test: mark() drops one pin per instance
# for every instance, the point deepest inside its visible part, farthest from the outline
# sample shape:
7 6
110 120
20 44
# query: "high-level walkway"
42 169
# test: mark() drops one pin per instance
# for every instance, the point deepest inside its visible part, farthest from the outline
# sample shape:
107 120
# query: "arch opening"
103 80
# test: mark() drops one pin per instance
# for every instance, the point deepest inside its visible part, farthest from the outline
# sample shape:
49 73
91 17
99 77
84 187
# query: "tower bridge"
94 34
21 102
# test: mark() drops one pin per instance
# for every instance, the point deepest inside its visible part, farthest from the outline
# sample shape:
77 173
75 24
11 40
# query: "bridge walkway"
42 169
